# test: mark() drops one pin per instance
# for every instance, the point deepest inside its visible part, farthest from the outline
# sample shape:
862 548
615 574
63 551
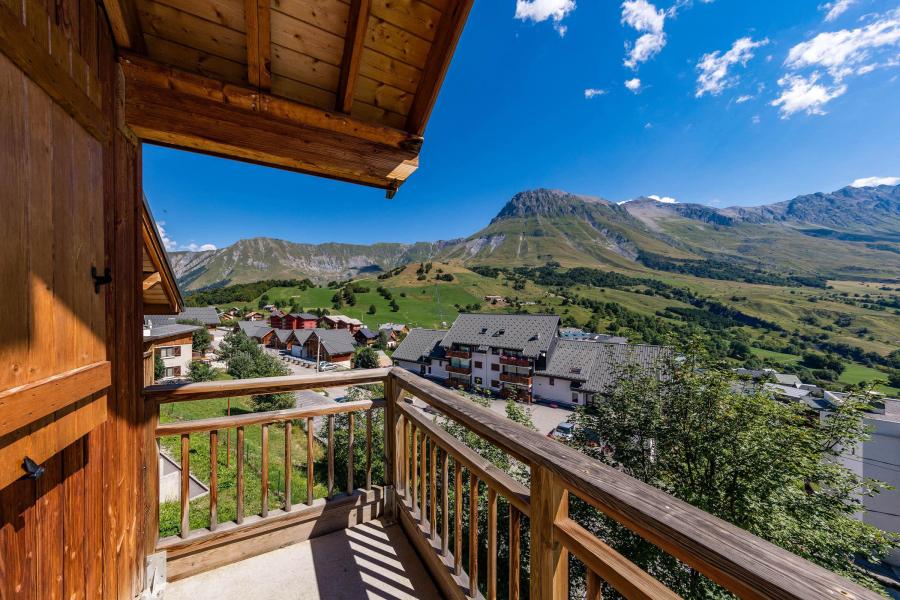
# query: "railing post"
549 559
392 433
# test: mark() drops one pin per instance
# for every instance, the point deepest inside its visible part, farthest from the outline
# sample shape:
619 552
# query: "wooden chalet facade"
324 87
300 321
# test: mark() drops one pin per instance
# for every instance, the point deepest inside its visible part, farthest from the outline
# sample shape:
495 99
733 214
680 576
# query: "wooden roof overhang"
159 288
337 88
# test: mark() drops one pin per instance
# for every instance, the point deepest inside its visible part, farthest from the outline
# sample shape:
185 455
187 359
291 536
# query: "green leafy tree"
382 343
341 429
159 368
201 371
246 360
768 467
366 358
201 339
372 309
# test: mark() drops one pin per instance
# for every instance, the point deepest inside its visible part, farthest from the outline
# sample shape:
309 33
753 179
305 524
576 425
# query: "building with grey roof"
421 352
255 330
205 315
576 370
528 335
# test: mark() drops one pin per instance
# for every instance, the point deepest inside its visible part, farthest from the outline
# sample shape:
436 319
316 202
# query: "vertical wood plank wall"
71 201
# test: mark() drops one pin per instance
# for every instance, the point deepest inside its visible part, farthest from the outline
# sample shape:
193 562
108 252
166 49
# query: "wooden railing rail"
735 559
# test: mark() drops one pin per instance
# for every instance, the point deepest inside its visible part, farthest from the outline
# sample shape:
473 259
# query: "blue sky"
738 103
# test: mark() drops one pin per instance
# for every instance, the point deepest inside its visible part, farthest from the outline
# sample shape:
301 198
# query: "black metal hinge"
100 279
32 469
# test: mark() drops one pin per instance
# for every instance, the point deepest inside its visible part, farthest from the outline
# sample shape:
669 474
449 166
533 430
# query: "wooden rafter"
259 45
185 110
126 26
449 29
151 279
353 47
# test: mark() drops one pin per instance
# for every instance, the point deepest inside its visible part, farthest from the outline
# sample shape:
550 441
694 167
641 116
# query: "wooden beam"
184 110
259 44
353 47
125 24
449 29
151 279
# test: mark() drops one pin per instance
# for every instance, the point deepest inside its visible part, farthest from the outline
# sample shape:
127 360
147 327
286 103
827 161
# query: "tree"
762 465
201 371
245 360
366 358
372 309
341 446
394 306
382 343
201 339
159 368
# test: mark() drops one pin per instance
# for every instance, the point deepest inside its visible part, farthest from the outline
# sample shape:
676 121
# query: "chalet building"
254 316
366 337
397 329
575 371
341 322
332 345
259 332
280 338
421 352
300 321
173 345
84 85
275 319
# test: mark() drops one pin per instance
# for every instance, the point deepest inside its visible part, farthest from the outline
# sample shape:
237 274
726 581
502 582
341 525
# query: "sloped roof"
335 341
301 335
419 344
597 365
528 334
162 332
367 333
254 329
305 316
207 315
283 334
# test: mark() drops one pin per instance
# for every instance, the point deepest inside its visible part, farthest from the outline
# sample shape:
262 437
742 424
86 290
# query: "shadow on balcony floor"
366 561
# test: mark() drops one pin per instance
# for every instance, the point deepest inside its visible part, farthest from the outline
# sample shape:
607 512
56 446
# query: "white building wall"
560 391
489 374
412 367
439 369
881 461
480 377
183 361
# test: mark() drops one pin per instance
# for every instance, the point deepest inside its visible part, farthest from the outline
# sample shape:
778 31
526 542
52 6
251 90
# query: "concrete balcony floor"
366 561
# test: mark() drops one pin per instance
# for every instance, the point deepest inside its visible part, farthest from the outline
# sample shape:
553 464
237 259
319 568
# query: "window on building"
169 351
429 370
575 397
478 381
421 369
495 367
172 372
552 381
495 351
477 364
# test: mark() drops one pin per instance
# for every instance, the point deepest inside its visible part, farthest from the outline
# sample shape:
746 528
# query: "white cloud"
714 66
539 11
742 99
168 243
645 18
593 93
841 51
648 125
663 199
199 247
875 181
800 93
836 8
634 85
841 54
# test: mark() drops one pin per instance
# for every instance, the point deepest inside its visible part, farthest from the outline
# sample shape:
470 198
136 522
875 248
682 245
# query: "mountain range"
851 233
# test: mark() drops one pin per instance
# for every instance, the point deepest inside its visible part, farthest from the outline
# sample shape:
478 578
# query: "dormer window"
499 333
483 330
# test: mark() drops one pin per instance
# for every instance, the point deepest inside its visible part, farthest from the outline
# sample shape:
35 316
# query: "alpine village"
584 399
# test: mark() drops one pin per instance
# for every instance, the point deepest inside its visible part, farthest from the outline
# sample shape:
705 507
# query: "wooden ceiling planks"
378 61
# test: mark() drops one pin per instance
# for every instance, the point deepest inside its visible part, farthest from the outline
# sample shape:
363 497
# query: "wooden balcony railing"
518 361
464 354
433 488
458 369
515 378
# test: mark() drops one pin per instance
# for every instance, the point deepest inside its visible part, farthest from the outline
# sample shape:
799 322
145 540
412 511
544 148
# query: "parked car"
563 432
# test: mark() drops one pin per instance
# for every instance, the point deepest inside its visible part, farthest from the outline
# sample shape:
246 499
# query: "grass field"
853 373
775 357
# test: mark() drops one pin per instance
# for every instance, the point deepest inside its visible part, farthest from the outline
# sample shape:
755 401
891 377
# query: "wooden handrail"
739 561
517 494
180 392
274 416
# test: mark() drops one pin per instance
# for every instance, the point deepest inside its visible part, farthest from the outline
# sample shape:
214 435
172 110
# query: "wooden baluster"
185 484
594 587
457 517
423 480
350 454
473 535
330 457
445 514
549 558
288 469
239 462
414 469
213 479
369 449
405 473
310 476
492 545
433 481
515 550
264 472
